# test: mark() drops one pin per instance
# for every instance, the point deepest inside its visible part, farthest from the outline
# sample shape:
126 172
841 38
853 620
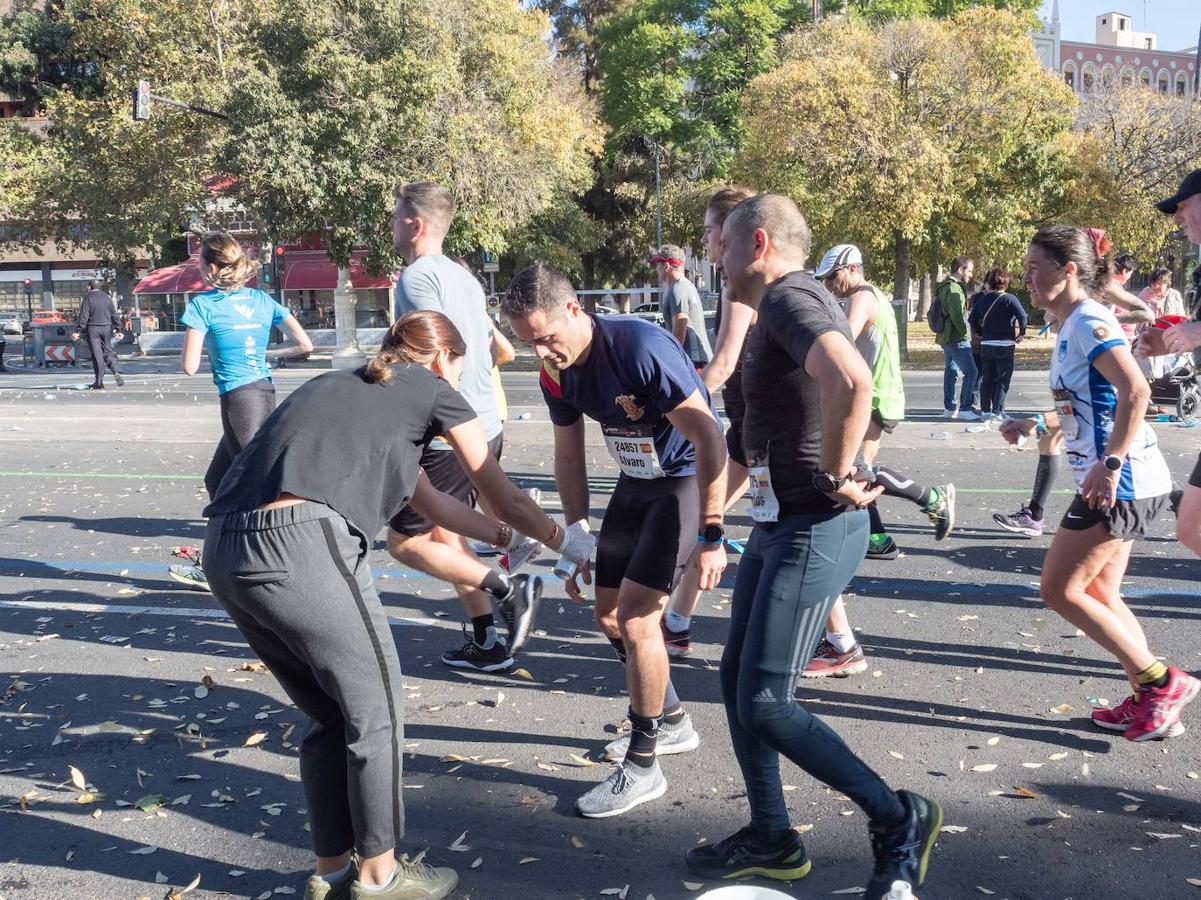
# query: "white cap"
837 257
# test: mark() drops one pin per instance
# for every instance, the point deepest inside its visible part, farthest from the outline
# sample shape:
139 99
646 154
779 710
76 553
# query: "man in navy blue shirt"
660 427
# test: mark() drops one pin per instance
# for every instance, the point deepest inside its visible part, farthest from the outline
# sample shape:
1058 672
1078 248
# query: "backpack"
935 317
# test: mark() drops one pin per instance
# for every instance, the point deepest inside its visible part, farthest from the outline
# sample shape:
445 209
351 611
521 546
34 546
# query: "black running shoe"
881 546
480 659
518 609
903 852
746 853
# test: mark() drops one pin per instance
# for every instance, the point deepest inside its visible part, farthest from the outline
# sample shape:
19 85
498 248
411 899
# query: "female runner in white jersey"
1121 478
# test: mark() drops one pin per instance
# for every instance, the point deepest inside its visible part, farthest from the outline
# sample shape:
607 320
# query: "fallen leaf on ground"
578 842
523 673
993 741
580 762
692 885
984 767
1025 792
143 851
526 860
257 738
458 846
953 829
77 778
895 755
175 895
1062 708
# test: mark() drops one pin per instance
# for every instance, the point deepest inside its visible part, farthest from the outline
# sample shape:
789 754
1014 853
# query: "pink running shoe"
1120 717
1159 708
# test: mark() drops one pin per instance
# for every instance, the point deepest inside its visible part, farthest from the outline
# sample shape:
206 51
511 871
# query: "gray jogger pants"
297 584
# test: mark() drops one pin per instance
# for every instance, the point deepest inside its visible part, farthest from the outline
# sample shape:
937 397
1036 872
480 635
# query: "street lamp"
29 297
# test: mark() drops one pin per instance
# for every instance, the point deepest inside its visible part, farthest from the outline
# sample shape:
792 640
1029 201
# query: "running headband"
665 259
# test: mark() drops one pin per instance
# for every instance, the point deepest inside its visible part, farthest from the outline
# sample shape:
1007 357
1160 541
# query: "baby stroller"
1178 383
1178 387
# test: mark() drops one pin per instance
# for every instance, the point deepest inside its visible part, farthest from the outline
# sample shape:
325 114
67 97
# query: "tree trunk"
900 290
348 354
925 293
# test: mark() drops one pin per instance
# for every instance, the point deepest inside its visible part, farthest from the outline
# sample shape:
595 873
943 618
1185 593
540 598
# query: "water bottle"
900 890
565 568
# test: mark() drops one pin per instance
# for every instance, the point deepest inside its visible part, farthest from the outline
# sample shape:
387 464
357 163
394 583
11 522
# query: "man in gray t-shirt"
437 282
680 305
433 281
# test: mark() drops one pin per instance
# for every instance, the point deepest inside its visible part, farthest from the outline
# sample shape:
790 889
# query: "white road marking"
178 612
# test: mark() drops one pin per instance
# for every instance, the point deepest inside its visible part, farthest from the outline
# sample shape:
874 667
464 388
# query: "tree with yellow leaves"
918 136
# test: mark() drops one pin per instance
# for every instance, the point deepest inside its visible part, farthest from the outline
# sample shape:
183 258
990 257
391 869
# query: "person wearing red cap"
680 304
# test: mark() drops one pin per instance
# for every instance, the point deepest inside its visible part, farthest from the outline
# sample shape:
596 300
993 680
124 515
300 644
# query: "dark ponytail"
1088 249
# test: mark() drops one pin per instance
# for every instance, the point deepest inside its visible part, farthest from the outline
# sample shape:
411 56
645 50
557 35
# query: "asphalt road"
105 658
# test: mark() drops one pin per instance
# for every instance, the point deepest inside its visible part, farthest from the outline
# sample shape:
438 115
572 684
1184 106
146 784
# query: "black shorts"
734 442
648 533
1127 520
1194 480
886 424
446 473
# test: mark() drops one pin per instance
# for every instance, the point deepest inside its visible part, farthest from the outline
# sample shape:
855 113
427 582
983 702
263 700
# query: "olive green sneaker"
414 880
318 888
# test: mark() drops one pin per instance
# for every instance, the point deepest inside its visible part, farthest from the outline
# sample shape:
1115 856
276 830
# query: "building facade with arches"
1119 56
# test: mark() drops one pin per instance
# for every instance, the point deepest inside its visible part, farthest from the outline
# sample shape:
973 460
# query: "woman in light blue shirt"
233 324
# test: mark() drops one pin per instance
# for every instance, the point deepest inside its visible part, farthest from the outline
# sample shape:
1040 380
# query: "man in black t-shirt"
808 396
660 427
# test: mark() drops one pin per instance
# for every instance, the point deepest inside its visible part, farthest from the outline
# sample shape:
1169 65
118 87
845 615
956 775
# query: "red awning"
180 279
317 272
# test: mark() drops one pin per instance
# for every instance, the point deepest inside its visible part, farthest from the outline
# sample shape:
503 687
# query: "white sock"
341 875
378 888
842 641
677 622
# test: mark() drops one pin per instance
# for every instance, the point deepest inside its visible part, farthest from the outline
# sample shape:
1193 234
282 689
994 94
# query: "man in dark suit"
97 321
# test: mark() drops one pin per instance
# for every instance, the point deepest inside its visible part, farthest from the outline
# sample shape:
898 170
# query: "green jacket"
951 295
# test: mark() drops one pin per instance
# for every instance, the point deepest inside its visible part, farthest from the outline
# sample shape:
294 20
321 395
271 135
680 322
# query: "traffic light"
28 283
141 102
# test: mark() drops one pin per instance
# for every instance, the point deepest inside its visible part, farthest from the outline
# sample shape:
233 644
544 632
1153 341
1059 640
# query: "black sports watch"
827 483
1113 463
711 534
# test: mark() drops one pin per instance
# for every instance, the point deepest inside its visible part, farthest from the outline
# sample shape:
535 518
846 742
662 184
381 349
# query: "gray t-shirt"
682 297
441 284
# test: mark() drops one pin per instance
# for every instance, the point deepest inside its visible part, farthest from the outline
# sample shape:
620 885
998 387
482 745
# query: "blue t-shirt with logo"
236 327
635 374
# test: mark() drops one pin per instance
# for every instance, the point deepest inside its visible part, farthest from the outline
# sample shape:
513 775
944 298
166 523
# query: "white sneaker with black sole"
672 739
626 787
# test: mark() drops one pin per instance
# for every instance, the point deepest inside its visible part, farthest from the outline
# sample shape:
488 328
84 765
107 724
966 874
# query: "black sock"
619 648
873 515
673 716
1044 480
643 733
898 485
480 626
497 584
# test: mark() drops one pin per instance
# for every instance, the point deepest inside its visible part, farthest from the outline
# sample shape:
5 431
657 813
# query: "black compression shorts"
648 532
446 473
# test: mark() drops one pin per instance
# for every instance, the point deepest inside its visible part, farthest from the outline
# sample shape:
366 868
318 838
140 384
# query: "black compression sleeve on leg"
898 485
1044 480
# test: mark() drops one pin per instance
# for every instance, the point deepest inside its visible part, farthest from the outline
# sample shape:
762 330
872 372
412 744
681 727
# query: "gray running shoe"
319 889
625 788
678 738
192 576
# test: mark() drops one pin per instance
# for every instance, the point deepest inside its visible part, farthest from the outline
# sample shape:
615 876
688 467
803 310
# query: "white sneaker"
968 415
950 414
